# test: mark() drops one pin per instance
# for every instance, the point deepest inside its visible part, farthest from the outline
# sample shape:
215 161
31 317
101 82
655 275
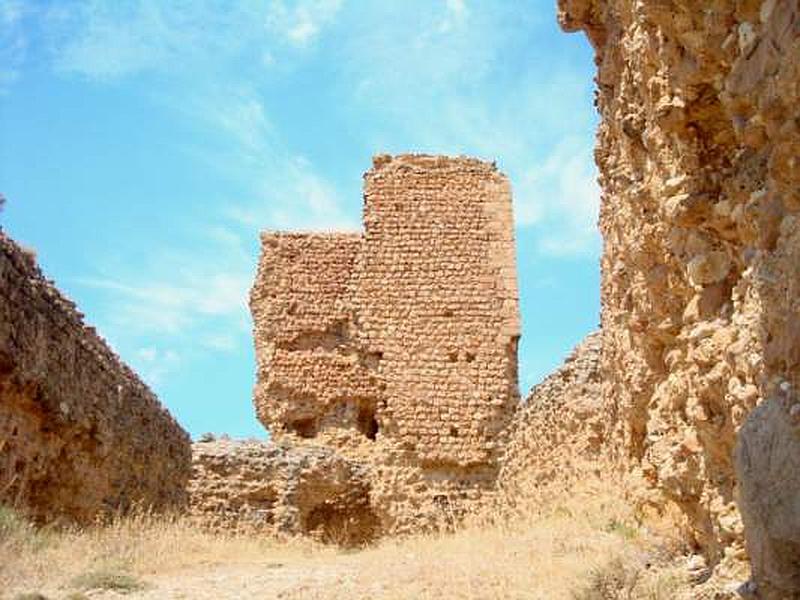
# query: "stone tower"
398 346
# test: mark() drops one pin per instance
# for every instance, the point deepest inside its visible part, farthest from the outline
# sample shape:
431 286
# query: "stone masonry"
80 434
398 347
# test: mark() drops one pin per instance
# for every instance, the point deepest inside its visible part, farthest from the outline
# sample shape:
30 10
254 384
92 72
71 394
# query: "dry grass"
587 546
123 553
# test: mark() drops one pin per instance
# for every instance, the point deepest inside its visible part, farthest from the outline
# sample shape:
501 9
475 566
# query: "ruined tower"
398 347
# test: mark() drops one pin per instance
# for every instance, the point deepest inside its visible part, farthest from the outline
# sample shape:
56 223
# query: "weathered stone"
705 195
80 435
557 436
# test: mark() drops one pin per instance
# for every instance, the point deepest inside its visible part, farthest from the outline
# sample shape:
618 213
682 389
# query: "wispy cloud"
188 300
109 40
536 123
420 76
13 42
279 189
154 364
171 305
566 185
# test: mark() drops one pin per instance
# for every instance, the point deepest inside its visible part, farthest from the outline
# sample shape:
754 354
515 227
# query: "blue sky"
144 143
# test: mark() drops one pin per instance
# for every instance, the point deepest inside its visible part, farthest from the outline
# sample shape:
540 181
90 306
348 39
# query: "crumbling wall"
313 378
557 438
398 347
252 486
697 149
80 434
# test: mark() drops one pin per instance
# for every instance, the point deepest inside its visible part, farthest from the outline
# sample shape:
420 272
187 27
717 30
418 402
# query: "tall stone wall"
80 434
398 347
698 149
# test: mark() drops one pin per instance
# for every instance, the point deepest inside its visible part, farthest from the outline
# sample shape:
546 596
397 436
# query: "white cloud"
147 354
109 40
567 181
222 342
301 23
198 300
457 13
280 189
173 303
422 77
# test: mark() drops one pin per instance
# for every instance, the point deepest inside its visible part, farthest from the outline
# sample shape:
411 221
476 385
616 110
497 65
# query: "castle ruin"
398 347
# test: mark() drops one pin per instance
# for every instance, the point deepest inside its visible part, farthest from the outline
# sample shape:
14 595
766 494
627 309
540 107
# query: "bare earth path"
306 579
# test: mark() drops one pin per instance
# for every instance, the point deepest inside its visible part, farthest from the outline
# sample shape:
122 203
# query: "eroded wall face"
398 347
80 434
698 149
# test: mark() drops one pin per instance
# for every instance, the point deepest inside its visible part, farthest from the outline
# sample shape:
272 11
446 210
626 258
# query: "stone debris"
398 347
80 435
698 151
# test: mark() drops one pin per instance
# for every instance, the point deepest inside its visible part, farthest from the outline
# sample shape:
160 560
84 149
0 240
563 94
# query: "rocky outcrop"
768 469
252 486
80 434
697 148
398 347
557 437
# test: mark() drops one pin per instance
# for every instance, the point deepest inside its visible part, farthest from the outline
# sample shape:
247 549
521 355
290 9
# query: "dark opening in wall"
372 360
367 423
305 428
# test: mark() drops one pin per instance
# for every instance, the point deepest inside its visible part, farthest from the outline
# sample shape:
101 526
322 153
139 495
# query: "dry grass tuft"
107 579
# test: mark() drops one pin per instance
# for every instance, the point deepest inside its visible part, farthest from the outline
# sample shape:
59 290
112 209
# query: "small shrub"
31 596
613 581
107 579
622 529
11 523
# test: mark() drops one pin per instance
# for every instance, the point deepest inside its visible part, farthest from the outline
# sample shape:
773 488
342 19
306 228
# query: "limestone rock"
557 435
768 468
